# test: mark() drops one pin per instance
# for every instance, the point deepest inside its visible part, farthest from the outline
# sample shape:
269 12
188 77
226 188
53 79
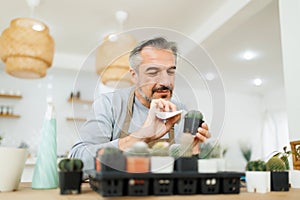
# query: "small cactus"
275 164
70 164
174 150
192 120
160 149
256 165
138 149
184 149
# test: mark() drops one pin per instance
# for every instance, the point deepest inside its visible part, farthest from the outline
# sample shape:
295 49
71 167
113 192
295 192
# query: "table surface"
25 192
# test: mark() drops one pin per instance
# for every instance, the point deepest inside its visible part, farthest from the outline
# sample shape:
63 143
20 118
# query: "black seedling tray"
181 183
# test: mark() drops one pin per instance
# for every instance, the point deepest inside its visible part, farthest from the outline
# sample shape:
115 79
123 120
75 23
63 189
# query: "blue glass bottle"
45 174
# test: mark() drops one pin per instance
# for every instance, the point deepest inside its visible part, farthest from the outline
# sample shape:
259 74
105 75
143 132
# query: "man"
126 116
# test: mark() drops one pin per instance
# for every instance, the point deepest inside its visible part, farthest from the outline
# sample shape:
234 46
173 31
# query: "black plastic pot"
186 164
70 182
279 181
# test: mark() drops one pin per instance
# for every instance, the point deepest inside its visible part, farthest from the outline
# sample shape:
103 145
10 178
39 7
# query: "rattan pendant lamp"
112 57
26 47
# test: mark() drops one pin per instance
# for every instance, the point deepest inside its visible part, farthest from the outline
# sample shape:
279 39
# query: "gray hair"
135 58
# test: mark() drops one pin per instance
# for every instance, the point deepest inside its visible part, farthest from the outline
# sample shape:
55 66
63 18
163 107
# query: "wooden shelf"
75 119
77 100
11 96
10 116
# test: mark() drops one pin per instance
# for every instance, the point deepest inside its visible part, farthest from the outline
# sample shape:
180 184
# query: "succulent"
275 164
184 149
284 157
192 120
160 149
174 150
194 114
210 151
256 165
246 151
138 149
70 164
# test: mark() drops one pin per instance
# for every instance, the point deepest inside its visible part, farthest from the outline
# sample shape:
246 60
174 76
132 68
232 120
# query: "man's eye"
152 73
171 71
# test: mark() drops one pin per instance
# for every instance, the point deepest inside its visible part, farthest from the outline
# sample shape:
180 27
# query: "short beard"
149 99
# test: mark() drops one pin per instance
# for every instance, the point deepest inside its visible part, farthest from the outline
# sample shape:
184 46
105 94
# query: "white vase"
258 181
162 164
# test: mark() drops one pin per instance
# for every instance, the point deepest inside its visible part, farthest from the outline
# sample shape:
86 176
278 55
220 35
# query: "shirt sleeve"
96 133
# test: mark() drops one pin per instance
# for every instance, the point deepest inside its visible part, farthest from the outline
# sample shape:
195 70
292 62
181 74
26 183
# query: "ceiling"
225 29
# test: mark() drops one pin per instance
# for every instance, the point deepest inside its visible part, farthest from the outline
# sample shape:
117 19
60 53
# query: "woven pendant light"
112 56
112 60
26 48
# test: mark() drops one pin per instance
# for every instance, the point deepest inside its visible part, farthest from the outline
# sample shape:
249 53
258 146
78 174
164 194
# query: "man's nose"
164 79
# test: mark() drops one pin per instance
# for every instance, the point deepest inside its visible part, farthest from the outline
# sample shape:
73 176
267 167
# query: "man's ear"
133 76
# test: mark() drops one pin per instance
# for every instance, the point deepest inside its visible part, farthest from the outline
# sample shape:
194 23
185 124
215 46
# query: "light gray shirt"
103 127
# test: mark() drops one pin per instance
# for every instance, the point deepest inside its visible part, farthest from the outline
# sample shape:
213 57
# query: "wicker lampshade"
26 48
112 60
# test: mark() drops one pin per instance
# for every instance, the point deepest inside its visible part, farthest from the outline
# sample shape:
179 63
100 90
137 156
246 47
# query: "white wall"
33 104
243 122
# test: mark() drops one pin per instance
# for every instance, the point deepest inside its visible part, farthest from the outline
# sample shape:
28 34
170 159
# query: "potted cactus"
110 159
70 175
183 154
279 175
137 158
161 162
257 178
192 121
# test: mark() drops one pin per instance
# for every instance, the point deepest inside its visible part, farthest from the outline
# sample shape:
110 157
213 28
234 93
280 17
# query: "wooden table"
26 193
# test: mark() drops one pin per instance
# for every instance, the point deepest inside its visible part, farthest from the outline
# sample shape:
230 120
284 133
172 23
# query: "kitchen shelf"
11 96
78 100
75 119
10 116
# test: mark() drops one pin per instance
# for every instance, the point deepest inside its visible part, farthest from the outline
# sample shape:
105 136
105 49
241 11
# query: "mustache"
162 88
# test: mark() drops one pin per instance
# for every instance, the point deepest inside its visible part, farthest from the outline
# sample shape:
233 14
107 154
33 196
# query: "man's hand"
200 136
155 128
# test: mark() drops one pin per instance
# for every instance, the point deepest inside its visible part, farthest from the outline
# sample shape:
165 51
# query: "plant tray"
177 183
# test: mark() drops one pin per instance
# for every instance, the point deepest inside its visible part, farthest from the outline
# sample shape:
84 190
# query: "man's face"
156 74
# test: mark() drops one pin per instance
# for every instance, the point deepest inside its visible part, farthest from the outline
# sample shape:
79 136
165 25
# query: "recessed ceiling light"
210 76
257 82
249 55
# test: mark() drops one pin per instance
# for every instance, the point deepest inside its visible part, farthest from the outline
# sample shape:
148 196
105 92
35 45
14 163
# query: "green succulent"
70 164
256 165
160 149
174 150
138 149
275 164
194 114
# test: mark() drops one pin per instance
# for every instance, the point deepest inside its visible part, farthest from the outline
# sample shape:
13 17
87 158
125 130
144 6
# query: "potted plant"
161 161
137 158
110 159
257 178
70 175
138 161
279 175
184 163
211 158
183 154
